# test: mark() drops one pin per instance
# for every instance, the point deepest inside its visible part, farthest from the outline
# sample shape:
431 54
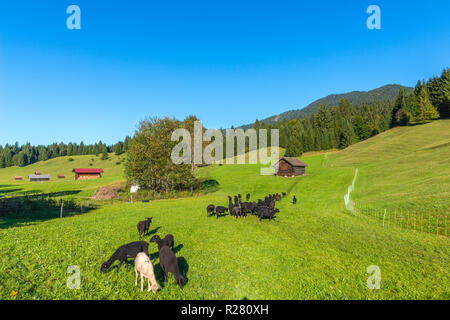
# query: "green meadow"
315 249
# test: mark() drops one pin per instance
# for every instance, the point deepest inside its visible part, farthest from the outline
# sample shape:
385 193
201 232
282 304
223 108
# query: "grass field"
313 250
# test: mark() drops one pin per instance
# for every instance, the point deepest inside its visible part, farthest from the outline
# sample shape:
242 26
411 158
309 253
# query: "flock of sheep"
138 250
263 209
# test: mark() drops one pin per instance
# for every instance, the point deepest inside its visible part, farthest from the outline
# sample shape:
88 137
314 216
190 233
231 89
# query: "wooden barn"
90 173
39 177
290 167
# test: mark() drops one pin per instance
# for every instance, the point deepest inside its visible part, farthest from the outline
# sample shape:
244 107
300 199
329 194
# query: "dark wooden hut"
90 173
290 167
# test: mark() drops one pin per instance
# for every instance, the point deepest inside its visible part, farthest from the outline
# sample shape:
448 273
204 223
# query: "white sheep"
143 265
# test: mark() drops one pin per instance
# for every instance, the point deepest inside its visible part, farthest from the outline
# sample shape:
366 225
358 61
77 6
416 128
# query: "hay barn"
90 173
290 167
39 177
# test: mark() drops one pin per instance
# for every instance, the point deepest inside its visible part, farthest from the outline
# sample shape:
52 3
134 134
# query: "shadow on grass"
151 232
183 266
33 208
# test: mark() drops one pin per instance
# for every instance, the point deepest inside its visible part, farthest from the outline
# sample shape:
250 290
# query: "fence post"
384 216
62 206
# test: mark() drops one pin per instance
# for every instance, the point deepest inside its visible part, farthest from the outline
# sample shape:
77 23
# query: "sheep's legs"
135 283
142 282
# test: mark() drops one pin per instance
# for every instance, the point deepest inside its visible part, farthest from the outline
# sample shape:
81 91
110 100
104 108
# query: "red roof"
89 170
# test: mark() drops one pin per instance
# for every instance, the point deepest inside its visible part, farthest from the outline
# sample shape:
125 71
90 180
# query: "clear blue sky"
227 61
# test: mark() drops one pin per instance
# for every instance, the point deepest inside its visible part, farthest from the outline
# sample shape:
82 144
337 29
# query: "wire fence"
429 222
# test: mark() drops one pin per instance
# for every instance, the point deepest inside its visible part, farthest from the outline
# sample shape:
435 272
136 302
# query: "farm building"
39 177
90 173
61 176
18 178
290 167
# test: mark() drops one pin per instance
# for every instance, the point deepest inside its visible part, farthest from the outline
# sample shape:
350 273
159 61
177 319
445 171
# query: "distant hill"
384 93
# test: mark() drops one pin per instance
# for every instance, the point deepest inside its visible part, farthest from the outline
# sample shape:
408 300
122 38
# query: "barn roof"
294 162
39 176
88 170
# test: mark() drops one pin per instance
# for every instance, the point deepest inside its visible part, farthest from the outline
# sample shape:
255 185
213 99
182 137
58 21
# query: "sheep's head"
155 238
156 287
104 267
180 281
149 219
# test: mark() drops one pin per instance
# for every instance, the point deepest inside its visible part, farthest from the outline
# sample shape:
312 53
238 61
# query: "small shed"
18 178
61 176
89 173
39 177
290 167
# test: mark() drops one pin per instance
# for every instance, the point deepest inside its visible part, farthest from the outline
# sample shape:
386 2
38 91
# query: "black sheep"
143 226
167 241
129 250
169 263
147 224
248 196
236 212
294 200
210 210
221 209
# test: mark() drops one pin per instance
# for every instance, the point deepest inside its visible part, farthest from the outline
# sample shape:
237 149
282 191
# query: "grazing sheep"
144 266
210 210
147 224
294 200
236 212
169 263
167 241
267 213
129 250
143 227
221 210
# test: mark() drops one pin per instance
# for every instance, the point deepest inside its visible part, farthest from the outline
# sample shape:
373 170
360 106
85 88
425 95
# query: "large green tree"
149 162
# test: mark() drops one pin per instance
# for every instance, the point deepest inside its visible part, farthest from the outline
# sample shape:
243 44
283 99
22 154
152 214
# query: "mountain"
388 92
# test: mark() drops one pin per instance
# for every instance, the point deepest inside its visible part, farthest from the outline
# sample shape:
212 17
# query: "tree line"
15 155
345 124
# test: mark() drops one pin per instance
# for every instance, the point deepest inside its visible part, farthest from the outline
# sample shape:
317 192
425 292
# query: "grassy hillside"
61 165
313 250
385 93
405 168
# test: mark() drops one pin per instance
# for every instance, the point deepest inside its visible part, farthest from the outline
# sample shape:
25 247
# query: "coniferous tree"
425 110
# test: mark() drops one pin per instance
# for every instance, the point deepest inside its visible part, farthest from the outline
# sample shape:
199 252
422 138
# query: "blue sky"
228 62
